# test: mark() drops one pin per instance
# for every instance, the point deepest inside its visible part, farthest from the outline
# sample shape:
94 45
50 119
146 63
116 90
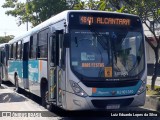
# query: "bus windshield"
106 54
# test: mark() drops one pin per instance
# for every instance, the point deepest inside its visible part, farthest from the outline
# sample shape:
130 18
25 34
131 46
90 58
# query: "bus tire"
44 95
16 83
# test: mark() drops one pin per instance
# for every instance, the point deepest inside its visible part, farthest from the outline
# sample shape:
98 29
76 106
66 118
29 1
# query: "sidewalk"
153 102
149 80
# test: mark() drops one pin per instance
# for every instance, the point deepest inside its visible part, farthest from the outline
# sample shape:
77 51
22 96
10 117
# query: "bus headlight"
77 89
142 88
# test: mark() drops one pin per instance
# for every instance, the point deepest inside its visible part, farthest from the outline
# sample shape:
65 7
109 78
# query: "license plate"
114 106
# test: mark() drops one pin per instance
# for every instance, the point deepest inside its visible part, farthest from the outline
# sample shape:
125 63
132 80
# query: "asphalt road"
28 106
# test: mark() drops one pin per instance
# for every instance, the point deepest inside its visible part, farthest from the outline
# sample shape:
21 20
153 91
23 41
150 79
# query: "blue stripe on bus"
121 91
20 67
25 69
15 66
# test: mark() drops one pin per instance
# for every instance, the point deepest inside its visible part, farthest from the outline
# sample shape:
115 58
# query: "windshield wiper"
76 41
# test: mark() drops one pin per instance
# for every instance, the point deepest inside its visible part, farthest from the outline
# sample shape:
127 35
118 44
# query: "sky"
8 24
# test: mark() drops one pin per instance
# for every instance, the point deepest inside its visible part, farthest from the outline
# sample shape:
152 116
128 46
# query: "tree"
86 4
6 39
34 11
104 5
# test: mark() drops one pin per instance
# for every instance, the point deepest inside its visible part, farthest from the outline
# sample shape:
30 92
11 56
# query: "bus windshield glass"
102 53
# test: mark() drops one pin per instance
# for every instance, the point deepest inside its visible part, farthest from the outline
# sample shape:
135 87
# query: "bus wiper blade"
76 41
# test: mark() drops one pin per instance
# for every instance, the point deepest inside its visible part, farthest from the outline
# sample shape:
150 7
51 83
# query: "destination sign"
104 20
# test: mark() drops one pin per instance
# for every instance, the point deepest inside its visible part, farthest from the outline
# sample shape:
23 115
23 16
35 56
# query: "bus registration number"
113 106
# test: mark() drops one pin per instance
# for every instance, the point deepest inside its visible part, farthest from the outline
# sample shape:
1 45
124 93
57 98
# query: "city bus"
4 54
82 60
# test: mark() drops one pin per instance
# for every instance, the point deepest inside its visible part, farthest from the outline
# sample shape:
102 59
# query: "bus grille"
110 84
101 104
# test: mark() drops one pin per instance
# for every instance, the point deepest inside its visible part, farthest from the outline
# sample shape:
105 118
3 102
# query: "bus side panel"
42 69
15 67
37 71
25 75
33 76
5 73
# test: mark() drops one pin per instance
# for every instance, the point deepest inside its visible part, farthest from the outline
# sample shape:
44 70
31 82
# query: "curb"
152 102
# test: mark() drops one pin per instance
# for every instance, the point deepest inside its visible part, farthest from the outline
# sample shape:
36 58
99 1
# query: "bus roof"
98 11
61 16
3 44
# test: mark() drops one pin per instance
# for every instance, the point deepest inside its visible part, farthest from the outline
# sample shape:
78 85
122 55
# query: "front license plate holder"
113 106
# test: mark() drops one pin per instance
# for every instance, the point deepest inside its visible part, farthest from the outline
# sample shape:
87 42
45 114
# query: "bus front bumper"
74 102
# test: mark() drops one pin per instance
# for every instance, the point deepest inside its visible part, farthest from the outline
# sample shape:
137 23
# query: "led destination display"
104 20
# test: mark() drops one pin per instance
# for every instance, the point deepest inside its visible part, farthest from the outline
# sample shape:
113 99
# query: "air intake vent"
101 104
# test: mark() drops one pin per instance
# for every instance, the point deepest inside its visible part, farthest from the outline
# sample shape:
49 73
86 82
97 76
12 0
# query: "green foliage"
86 4
153 92
6 38
104 5
44 9
79 6
34 11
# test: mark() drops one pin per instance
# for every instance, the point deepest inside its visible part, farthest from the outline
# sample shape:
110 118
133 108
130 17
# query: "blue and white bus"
4 54
82 59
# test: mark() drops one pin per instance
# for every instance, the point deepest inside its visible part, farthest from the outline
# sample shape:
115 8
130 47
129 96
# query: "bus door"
25 65
2 55
54 69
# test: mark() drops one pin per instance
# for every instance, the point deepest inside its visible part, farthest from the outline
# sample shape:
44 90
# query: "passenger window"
33 46
14 50
19 49
42 44
11 51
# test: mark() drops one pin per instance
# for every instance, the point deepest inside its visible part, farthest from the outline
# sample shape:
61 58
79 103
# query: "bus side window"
1 56
42 44
33 47
53 49
14 50
11 51
19 49
25 51
30 46
7 54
